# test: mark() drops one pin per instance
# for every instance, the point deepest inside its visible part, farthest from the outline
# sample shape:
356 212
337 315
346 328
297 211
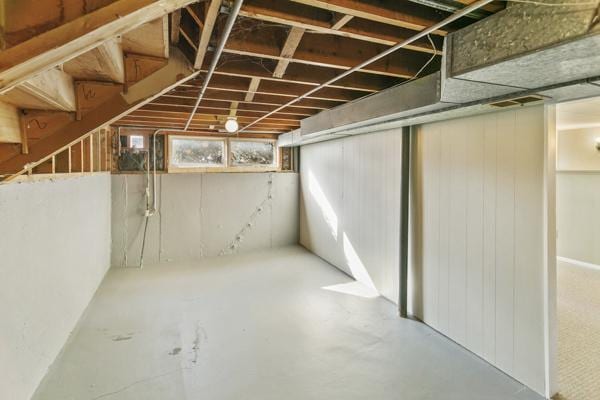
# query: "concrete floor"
578 332
259 326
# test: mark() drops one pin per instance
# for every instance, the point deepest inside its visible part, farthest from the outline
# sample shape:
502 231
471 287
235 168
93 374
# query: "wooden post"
91 140
53 164
70 161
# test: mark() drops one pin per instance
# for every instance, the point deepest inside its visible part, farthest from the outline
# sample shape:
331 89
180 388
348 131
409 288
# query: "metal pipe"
150 211
379 56
451 6
237 5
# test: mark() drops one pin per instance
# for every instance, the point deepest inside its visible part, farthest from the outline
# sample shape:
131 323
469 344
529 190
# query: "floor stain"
120 338
200 337
175 351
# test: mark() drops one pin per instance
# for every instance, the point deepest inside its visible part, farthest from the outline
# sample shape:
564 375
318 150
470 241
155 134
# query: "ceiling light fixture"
231 125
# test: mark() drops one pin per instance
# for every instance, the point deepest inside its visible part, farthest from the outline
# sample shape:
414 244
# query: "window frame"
130 142
277 161
227 165
175 168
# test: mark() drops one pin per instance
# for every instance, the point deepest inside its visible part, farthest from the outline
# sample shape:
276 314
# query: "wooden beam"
252 88
233 108
209 23
340 20
176 72
303 73
277 117
50 90
104 63
149 112
186 103
10 127
288 50
76 37
288 89
330 51
203 124
392 12
195 16
175 26
319 20
188 38
264 99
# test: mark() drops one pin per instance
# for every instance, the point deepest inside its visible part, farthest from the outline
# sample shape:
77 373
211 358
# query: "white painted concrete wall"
479 241
202 215
55 251
350 206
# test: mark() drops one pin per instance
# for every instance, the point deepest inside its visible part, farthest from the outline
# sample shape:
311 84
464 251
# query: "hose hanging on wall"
235 10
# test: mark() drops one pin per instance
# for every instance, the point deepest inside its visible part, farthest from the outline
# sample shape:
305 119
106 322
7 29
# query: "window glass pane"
246 152
136 142
190 153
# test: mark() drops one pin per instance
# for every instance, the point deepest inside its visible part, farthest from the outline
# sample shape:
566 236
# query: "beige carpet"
579 332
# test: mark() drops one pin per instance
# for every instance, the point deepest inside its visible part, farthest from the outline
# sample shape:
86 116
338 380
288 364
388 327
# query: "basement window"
254 153
136 142
190 152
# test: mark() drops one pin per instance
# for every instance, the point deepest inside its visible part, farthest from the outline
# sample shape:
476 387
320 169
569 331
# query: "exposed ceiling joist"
206 30
340 20
319 20
227 105
252 88
392 12
251 67
288 50
328 51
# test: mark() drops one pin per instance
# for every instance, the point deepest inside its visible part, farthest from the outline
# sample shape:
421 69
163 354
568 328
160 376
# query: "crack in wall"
233 245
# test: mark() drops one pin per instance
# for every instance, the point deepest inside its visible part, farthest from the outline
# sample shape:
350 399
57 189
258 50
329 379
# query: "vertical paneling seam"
466 258
514 236
483 204
496 133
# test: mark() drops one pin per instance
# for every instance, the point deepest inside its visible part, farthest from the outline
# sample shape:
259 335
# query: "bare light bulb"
231 125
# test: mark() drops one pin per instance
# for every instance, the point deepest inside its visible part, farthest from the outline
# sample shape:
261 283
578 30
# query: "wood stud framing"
278 50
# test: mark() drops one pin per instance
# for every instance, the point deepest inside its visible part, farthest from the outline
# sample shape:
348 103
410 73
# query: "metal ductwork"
554 56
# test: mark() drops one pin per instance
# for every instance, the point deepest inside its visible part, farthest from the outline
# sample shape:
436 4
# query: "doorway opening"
578 248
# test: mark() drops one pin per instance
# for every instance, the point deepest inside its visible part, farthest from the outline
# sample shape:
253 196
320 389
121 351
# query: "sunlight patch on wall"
328 213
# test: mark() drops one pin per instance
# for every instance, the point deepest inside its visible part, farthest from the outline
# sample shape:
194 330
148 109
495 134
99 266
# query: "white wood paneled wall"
479 236
350 206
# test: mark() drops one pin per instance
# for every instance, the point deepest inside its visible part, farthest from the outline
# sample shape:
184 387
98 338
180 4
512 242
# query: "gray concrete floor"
259 326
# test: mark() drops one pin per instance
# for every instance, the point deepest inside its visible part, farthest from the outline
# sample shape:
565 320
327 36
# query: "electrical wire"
427 63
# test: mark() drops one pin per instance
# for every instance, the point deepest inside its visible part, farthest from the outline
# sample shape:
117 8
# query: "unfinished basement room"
299 199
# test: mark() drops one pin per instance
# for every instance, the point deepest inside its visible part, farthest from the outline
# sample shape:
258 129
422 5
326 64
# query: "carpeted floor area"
579 332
